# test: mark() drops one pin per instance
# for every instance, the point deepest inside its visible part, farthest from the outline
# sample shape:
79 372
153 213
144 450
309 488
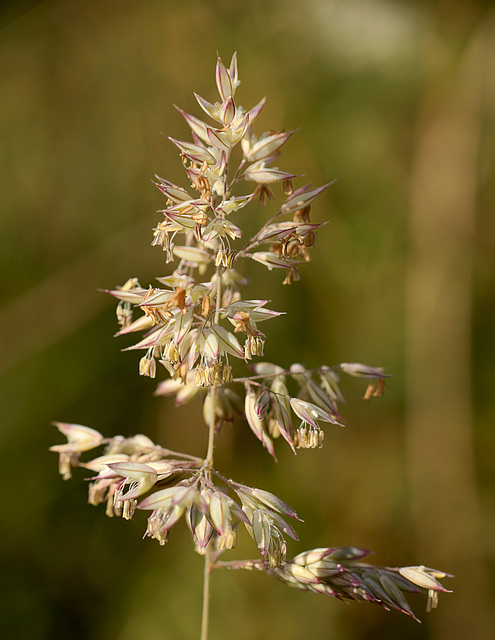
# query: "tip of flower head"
359 370
303 197
425 577
79 438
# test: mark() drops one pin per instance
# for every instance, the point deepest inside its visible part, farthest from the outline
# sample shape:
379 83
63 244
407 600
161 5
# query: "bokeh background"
396 101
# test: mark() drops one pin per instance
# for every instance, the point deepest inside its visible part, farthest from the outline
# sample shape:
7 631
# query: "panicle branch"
339 572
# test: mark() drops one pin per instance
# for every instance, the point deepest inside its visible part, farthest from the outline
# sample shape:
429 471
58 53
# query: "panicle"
184 320
196 326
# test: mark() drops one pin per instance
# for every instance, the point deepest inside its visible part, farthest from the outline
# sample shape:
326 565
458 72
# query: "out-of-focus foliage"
87 88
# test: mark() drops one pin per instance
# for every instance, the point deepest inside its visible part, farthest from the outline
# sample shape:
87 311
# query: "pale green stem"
211 433
209 464
206 595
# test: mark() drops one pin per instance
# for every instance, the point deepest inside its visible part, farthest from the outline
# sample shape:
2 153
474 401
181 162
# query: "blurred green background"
396 100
